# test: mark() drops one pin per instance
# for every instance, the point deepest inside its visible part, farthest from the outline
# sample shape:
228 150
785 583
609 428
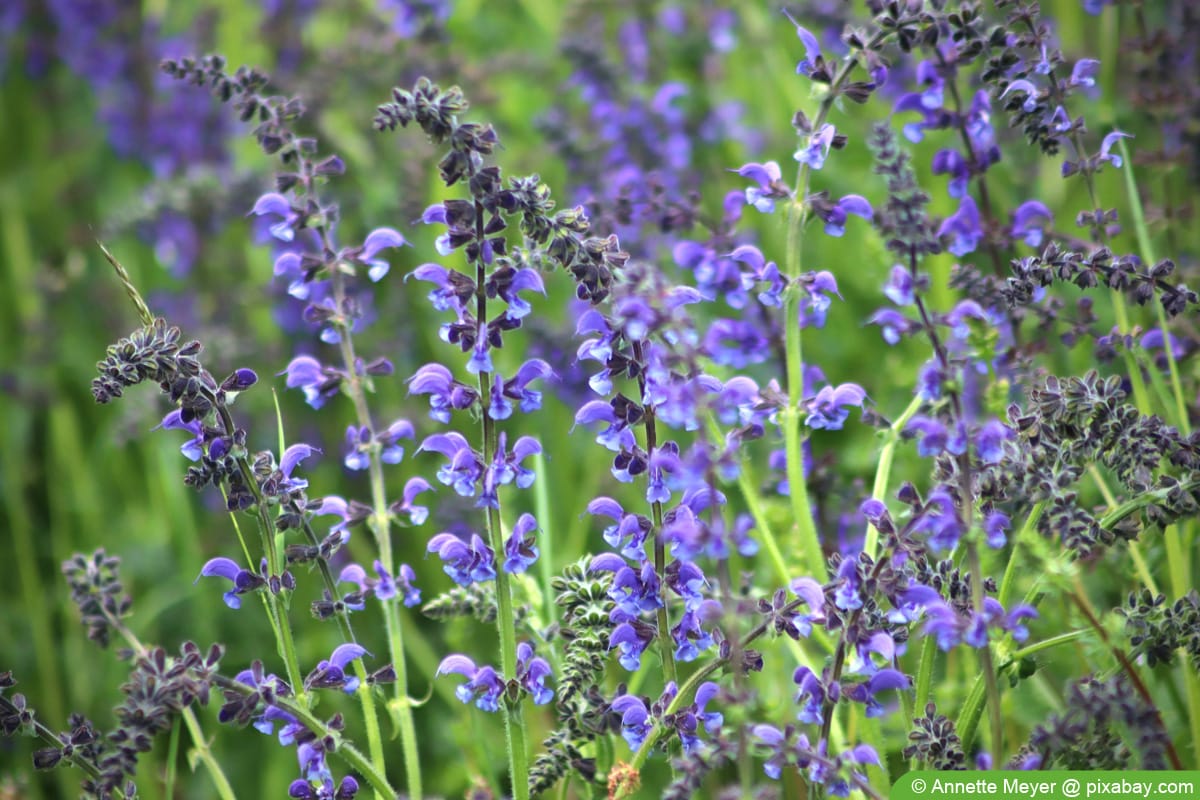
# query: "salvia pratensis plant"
746 469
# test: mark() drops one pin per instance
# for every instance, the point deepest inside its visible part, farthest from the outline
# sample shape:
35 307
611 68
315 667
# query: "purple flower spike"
828 410
835 216
243 580
1107 144
520 550
963 227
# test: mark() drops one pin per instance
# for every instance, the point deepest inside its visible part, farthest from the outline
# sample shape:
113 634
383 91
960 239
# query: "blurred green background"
75 476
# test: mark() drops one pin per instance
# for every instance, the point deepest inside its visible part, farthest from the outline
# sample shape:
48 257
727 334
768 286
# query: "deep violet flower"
1107 145
445 393
636 723
1029 222
384 587
331 673
812 49
274 204
770 185
366 254
318 382
835 215
532 672
416 514
243 580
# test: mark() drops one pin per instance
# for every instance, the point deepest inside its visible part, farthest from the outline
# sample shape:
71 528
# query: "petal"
458 664
379 239
220 567
344 654
293 456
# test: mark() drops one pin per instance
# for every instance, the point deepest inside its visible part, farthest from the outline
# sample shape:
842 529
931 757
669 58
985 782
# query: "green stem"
200 746
514 721
1027 530
380 526
1147 248
541 505
883 472
810 542
924 681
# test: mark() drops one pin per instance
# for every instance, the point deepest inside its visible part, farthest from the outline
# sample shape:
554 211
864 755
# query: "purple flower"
331 673
994 526
1084 72
629 532
517 389
835 215
357 448
192 449
318 382
963 227
939 518
464 562
635 719
390 451
688 719
632 638
445 393
462 469
828 410
950 162
508 290
452 289
243 580
520 549
932 435
378 239
690 637
507 468
416 514
1107 144
770 185
989 441
276 205
303 789
892 324
817 150
385 587
484 686
532 672
811 695
899 288
812 49
1025 222
882 681
1029 105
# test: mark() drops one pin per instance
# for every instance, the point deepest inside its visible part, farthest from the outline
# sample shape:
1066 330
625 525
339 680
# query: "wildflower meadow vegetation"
566 399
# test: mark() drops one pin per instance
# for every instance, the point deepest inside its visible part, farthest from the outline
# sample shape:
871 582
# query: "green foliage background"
75 476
